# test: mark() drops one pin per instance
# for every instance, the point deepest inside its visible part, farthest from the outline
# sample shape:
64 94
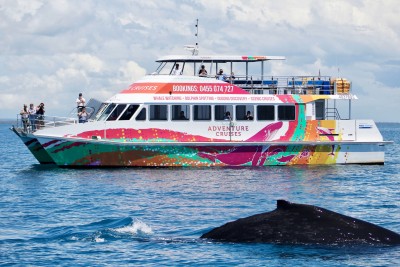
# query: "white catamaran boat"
181 115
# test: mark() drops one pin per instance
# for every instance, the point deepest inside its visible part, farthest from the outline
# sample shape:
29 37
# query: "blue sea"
154 217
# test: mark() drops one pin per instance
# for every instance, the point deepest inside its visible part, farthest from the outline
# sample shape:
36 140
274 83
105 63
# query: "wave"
135 228
102 231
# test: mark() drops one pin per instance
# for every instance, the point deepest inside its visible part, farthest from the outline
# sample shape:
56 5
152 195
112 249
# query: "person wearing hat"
80 102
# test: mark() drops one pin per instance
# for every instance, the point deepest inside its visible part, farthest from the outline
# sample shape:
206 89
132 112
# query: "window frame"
202 105
286 106
267 119
157 114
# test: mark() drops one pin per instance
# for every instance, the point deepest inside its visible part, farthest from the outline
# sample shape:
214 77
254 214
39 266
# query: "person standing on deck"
80 102
40 116
83 115
176 71
32 116
203 71
24 116
221 75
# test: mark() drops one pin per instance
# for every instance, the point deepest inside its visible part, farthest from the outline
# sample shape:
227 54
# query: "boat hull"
96 153
34 147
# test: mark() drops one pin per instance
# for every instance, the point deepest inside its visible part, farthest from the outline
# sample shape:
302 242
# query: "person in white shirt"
83 115
176 71
32 116
80 102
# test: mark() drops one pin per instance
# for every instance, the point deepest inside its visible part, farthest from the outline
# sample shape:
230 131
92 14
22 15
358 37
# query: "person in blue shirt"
221 75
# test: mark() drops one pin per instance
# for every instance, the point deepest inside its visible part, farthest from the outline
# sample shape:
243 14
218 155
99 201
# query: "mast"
194 48
196 51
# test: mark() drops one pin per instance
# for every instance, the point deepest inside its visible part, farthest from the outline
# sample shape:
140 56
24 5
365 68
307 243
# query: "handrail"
307 84
332 113
74 112
39 122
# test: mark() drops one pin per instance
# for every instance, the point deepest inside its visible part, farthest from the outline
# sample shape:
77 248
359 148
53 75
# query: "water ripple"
154 217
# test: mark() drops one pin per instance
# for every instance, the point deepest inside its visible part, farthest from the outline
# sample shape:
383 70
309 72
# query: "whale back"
292 223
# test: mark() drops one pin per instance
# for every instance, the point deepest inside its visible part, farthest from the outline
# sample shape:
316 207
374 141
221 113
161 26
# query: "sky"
51 50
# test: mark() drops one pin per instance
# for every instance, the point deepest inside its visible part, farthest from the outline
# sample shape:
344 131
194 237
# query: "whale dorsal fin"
283 204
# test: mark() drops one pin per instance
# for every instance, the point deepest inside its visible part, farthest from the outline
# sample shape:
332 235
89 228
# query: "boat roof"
216 58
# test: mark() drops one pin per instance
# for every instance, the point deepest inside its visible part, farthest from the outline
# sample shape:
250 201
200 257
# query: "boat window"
286 113
129 112
201 112
223 112
142 115
158 112
116 112
188 70
100 111
265 112
107 112
166 69
242 112
180 112
320 109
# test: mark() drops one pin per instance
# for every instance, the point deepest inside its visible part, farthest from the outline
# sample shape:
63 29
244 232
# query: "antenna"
197 29
194 48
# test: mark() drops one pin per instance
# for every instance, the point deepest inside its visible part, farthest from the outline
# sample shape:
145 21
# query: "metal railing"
316 85
34 123
332 113
261 84
74 112
37 122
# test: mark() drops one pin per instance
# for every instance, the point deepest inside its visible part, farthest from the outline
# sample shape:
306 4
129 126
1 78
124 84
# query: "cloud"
52 50
131 71
18 9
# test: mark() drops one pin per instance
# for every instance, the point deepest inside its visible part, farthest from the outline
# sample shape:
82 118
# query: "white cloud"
88 63
16 10
131 71
52 50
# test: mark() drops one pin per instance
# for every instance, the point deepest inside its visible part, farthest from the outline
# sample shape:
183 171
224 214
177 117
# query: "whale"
292 223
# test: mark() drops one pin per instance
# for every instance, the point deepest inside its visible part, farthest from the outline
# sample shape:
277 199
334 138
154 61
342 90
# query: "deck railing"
320 85
310 85
37 122
332 113
40 122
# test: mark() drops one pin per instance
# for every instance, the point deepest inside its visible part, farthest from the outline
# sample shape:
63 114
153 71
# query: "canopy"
217 59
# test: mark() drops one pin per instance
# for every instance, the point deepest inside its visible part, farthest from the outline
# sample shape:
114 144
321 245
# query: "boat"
176 117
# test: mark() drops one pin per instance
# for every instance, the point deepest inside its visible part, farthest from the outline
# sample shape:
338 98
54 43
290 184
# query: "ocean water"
154 217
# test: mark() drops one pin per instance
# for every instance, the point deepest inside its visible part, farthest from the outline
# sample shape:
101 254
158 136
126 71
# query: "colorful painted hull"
139 126
34 147
81 153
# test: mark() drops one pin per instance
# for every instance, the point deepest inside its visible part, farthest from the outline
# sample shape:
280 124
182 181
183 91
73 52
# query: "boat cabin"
220 88
253 92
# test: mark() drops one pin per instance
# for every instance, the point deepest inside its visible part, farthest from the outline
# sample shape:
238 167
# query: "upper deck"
248 73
